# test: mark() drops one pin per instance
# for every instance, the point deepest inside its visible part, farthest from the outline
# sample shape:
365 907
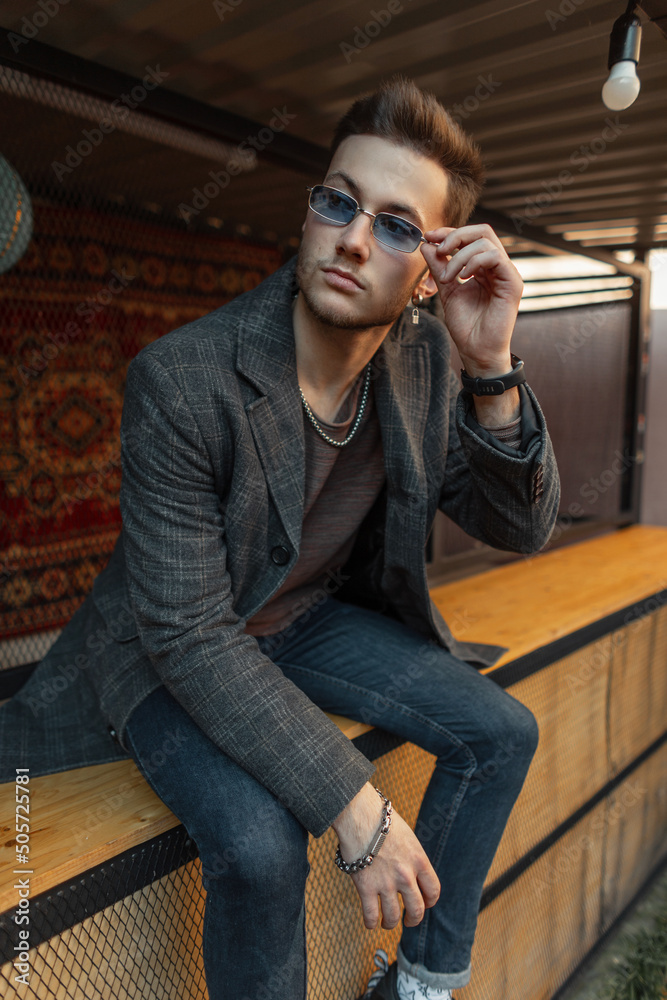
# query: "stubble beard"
338 319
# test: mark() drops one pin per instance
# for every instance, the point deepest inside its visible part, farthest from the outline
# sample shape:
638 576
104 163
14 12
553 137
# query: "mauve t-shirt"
340 488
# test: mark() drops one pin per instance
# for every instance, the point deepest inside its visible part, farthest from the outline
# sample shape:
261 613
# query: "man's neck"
330 359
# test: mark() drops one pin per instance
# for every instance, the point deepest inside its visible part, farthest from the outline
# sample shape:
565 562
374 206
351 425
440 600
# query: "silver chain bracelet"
367 859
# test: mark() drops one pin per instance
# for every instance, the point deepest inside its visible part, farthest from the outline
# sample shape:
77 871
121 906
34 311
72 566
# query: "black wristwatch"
494 386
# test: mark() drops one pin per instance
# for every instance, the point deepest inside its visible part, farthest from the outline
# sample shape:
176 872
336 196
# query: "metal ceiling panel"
524 79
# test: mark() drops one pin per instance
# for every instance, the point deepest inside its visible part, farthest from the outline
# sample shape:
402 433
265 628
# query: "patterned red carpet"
90 292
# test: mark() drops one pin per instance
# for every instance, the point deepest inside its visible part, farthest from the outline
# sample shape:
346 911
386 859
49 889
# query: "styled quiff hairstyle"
402 113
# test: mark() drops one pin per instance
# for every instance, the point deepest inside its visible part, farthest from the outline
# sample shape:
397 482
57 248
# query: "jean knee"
521 730
511 733
261 856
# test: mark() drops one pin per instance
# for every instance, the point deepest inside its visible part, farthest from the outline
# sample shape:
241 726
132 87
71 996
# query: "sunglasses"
340 209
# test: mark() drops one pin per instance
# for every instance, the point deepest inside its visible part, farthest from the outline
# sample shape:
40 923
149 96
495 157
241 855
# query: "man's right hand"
401 867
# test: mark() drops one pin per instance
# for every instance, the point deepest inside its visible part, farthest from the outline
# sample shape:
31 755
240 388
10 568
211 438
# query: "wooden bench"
586 627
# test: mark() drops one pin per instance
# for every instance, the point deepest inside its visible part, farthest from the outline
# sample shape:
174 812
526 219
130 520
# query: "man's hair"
402 113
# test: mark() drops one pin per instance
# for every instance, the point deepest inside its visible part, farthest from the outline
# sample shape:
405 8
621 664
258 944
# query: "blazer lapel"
401 394
266 358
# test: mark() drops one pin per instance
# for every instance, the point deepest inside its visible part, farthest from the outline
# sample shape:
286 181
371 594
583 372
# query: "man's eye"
396 226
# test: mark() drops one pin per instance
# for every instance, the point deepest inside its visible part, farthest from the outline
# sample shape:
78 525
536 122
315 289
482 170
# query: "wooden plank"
570 765
77 820
529 603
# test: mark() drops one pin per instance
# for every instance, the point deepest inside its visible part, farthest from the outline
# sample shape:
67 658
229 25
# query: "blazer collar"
265 352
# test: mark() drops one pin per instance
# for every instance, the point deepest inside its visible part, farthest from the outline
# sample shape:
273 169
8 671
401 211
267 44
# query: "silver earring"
417 300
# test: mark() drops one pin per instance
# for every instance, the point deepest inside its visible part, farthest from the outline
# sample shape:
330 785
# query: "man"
283 459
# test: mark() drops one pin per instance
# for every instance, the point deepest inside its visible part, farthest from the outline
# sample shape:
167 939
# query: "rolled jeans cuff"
439 980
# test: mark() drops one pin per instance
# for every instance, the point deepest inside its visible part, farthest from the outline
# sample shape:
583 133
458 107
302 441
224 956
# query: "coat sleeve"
180 593
506 498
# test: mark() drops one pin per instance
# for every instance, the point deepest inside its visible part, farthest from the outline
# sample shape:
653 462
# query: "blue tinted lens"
395 232
332 204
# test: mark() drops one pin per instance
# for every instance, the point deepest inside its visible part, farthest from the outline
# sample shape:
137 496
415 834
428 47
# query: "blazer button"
280 555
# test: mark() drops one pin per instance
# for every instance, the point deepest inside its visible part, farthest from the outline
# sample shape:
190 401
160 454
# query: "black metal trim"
62 67
377 742
524 666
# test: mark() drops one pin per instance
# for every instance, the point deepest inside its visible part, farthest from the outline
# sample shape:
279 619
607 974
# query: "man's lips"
338 278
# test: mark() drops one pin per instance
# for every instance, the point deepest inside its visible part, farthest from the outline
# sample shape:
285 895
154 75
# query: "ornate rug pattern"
90 292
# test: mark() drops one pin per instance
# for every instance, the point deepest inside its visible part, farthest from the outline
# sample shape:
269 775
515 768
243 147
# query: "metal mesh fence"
130 928
95 263
98 257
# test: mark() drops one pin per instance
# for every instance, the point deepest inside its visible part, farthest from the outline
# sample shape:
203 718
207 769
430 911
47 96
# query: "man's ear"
427 286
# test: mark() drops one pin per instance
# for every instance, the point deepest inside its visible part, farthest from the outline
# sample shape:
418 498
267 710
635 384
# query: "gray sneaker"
382 984
381 976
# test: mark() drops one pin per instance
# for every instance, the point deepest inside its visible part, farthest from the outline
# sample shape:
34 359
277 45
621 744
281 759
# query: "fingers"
470 252
401 871
383 899
391 910
370 908
388 903
414 907
448 240
429 885
469 262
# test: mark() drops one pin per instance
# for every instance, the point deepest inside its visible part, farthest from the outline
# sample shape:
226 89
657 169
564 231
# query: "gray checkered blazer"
212 446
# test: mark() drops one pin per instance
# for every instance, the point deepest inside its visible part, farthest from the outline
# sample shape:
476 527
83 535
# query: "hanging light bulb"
622 86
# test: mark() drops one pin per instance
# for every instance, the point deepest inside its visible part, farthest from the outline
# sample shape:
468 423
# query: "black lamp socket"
626 36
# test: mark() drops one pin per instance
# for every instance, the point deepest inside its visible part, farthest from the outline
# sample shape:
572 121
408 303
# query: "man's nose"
356 237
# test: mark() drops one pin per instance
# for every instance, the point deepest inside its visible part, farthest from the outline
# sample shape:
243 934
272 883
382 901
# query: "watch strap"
494 386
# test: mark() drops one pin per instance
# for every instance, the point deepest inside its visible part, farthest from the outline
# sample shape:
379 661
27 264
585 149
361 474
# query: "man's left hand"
480 313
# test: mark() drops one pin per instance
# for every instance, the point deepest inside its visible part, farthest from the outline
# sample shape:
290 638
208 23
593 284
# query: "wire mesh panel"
111 264
142 938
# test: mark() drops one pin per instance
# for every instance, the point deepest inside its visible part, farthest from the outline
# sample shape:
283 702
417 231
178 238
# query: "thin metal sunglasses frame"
362 211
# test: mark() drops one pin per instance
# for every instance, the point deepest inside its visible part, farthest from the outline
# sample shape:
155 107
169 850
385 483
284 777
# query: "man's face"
382 177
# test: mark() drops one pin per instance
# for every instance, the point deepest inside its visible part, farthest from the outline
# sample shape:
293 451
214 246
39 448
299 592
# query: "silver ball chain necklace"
355 426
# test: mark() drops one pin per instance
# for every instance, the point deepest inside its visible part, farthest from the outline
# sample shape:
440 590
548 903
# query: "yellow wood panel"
570 765
77 820
529 603
535 933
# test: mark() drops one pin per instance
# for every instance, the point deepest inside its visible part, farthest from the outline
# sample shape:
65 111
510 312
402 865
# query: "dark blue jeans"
253 851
